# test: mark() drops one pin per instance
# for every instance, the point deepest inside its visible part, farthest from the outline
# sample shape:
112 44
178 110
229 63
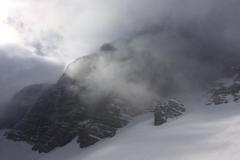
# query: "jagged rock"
226 89
222 94
164 111
67 110
108 47
21 103
60 114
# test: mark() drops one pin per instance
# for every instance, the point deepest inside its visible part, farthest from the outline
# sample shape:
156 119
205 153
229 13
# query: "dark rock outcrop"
164 111
73 108
21 102
227 89
223 94
61 113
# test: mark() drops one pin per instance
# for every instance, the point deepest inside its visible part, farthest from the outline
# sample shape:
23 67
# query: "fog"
176 48
161 47
18 71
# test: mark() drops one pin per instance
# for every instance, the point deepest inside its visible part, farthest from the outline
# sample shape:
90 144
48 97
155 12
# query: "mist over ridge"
87 68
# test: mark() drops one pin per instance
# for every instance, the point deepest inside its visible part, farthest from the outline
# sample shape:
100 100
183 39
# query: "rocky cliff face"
78 107
61 112
21 103
169 109
226 89
73 108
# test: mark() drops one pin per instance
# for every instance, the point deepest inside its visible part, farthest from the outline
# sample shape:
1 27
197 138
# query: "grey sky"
41 37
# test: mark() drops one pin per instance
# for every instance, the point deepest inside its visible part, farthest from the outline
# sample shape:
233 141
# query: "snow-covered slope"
204 132
10 150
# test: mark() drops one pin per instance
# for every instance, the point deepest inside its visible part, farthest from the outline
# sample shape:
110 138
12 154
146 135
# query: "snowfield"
10 150
202 133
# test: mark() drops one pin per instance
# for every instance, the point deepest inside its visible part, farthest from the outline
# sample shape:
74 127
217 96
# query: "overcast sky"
39 37
66 29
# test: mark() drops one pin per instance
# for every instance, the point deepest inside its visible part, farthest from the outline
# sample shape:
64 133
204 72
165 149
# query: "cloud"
172 42
167 48
19 68
85 25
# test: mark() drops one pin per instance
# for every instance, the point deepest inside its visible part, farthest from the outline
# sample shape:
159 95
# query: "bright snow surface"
202 133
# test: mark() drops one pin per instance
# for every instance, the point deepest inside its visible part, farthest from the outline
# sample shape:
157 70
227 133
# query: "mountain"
53 115
21 103
59 115
77 107
208 130
203 132
95 96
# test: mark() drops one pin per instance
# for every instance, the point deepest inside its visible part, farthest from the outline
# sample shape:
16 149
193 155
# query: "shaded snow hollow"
203 132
